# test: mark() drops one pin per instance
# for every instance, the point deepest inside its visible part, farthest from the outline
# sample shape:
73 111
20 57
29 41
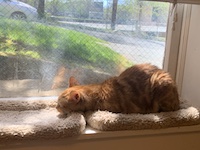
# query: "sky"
106 1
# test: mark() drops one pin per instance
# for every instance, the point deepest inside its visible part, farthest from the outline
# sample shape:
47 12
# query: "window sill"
175 138
91 133
91 136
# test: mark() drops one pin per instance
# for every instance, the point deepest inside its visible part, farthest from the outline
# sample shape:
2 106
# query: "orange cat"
141 88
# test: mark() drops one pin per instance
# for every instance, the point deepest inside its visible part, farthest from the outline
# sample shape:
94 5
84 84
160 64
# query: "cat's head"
70 100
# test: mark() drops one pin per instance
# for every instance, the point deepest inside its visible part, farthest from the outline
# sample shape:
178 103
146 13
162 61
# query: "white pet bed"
38 119
107 121
35 119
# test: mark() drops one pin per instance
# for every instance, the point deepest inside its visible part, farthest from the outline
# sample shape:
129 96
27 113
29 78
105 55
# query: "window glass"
43 43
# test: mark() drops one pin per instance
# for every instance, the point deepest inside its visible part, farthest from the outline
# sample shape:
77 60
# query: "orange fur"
139 89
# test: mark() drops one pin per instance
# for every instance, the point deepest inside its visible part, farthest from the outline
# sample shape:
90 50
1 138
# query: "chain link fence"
44 42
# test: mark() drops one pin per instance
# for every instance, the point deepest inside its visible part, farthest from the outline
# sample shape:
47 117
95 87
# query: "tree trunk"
40 9
114 14
138 25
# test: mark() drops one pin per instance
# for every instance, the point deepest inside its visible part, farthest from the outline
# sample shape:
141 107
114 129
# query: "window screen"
43 43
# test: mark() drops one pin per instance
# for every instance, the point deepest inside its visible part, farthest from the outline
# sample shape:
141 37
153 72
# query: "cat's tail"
164 91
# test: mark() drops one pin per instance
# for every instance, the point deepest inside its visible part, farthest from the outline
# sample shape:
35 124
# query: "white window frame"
173 39
176 44
177 34
177 1
183 45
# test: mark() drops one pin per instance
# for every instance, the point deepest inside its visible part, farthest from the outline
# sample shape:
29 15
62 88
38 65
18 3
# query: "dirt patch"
18 68
20 76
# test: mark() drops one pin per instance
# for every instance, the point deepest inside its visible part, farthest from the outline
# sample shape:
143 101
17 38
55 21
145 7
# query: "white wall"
191 77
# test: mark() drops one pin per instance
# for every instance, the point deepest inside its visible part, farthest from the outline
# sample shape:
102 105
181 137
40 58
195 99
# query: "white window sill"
92 133
183 138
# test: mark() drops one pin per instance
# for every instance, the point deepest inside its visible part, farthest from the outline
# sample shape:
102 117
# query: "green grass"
57 44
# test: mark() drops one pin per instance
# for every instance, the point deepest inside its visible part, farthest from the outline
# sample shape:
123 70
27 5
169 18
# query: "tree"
136 12
40 9
114 14
55 6
78 8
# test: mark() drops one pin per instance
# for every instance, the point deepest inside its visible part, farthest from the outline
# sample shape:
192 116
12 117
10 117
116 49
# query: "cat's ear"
73 82
74 97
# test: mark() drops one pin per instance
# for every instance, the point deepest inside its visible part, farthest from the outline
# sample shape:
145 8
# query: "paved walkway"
118 27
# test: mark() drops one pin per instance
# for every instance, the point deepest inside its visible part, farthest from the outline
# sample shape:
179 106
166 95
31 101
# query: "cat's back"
139 71
138 75
148 87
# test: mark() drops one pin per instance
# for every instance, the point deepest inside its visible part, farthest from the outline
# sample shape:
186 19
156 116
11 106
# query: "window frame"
173 39
177 31
177 1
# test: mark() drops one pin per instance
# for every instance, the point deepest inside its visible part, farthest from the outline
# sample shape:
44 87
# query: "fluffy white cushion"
108 121
34 119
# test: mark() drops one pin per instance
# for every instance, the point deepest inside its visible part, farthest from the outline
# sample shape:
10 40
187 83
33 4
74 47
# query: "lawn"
56 44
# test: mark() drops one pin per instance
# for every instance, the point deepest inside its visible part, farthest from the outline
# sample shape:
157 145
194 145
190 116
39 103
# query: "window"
38 55
91 40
